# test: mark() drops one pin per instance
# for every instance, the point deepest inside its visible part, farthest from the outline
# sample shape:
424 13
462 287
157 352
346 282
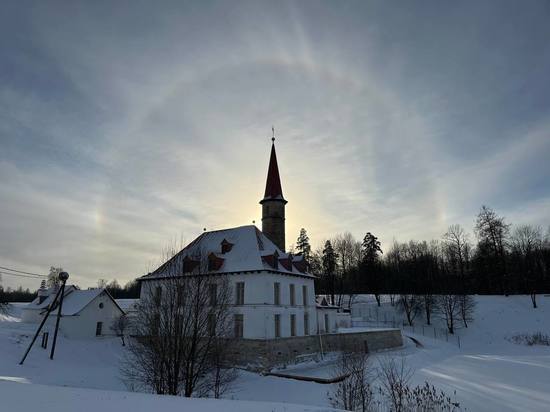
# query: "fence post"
458 337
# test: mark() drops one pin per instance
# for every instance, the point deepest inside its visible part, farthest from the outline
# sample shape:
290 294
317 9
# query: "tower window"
306 324
292 295
304 294
292 325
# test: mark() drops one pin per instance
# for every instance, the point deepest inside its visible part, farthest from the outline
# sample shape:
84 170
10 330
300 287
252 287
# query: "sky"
128 126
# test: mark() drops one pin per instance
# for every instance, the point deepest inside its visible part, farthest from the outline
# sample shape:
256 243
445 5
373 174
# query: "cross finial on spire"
273 136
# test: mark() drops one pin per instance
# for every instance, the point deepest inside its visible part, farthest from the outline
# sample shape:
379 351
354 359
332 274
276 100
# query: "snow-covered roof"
247 249
36 304
73 302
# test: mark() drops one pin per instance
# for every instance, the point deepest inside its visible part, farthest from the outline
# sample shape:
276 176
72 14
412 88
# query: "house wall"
31 315
80 326
332 320
259 307
83 325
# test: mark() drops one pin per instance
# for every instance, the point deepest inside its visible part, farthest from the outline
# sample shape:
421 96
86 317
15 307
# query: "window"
277 326
304 294
100 305
213 294
239 326
306 324
211 324
180 295
98 328
155 326
158 295
292 296
277 293
239 297
292 325
327 329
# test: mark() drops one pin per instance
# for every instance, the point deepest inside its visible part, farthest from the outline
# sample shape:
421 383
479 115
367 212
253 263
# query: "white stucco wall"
332 320
83 325
259 307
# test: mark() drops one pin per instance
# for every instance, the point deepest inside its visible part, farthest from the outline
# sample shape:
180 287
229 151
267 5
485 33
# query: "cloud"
124 126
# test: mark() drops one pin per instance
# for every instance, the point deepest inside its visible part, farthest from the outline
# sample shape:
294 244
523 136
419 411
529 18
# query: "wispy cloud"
122 126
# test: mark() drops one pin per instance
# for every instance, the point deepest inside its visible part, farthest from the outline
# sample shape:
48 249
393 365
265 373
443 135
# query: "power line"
25 273
19 275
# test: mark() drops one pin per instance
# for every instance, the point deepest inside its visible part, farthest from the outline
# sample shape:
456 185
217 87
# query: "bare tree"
394 379
493 231
354 392
448 307
428 305
527 244
182 320
410 305
120 327
4 305
348 252
467 305
457 248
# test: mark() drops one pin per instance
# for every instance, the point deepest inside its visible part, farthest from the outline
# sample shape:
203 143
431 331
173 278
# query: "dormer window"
189 264
226 246
214 262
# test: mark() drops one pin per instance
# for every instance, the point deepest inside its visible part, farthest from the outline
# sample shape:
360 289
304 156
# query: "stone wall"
270 352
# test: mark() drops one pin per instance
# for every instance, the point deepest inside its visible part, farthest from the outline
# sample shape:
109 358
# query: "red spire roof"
273 190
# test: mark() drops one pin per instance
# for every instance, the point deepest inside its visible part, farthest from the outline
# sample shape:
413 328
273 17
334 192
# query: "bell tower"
273 203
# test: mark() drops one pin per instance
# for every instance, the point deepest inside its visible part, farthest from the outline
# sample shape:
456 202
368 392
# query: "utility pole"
50 308
63 276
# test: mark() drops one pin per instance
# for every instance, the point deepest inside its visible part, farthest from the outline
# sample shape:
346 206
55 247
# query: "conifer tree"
302 245
370 266
329 268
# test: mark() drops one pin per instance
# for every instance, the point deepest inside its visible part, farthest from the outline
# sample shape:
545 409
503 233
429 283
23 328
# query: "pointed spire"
273 190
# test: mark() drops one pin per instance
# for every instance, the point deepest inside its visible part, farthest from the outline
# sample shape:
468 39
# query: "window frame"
277 293
292 324
239 293
277 325
238 325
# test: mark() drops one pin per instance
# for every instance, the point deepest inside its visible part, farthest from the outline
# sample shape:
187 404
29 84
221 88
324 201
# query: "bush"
530 339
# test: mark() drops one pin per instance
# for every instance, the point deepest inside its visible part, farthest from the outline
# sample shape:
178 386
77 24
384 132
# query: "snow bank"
24 397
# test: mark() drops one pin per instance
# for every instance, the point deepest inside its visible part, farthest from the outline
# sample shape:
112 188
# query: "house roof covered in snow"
74 300
239 249
51 292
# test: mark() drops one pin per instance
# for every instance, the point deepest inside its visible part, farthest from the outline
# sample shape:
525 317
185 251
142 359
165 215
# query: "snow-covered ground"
488 372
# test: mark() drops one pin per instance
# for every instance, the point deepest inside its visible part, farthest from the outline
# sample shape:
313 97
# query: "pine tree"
302 245
371 248
329 268
370 264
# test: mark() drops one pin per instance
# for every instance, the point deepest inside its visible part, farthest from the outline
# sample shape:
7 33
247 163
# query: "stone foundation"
268 353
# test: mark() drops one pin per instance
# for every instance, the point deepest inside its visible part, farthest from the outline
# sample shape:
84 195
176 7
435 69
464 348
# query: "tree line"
500 259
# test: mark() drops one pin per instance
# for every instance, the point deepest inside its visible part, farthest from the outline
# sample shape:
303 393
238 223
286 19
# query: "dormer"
226 246
300 264
189 264
214 262
272 260
287 262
